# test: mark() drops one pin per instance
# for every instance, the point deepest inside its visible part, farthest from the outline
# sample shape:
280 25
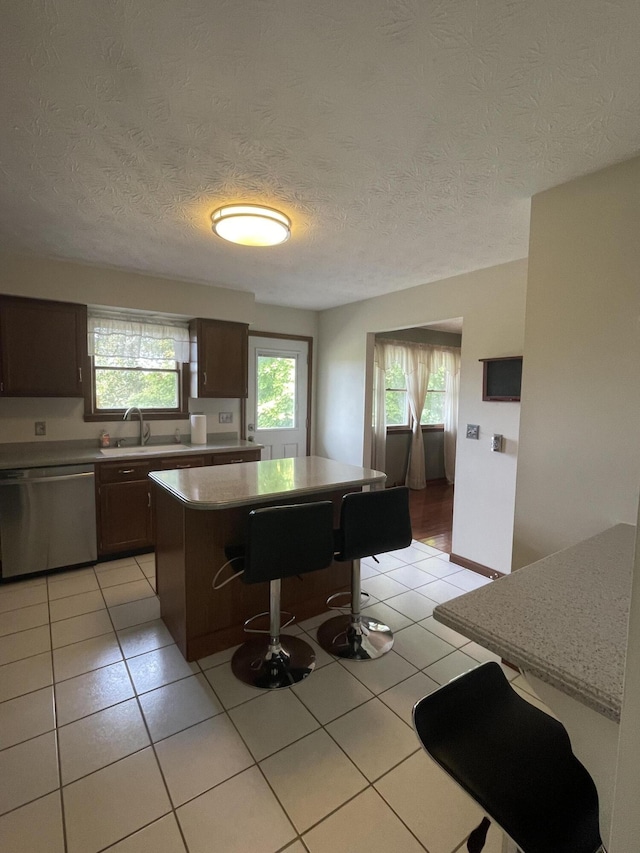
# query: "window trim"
399 430
92 415
408 427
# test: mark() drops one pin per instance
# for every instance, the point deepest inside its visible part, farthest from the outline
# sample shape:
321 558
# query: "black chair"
370 523
514 760
281 541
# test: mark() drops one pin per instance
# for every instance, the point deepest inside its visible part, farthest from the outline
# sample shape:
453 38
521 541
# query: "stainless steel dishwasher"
47 518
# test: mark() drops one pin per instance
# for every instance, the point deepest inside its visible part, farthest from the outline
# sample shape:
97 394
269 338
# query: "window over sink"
137 361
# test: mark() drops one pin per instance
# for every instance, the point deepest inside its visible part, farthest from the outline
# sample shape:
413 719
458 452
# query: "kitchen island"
563 622
202 512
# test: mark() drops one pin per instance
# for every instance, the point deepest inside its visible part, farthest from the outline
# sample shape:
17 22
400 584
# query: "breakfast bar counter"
563 619
563 622
202 512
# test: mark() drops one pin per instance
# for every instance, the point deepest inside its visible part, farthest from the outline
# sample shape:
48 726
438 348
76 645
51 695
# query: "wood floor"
432 514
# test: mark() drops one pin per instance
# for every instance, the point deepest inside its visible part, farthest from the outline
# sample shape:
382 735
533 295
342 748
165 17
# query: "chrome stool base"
361 639
268 666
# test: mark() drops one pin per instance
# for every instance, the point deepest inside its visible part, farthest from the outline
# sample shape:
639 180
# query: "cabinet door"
44 348
219 358
125 520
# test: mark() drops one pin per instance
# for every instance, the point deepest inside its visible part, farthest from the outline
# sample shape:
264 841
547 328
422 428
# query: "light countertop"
563 619
36 454
225 486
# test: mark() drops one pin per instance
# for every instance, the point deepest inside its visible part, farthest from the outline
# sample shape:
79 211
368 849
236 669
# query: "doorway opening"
431 495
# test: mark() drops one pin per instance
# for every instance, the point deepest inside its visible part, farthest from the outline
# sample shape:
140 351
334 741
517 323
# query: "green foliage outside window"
396 403
119 389
276 392
142 374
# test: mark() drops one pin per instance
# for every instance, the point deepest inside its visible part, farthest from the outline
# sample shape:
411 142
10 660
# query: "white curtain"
451 394
417 370
417 361
114 335
379 446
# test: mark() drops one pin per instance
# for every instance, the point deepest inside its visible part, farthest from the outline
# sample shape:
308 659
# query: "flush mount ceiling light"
251 225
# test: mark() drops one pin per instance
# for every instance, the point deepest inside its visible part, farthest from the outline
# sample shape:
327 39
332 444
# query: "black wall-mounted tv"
502 379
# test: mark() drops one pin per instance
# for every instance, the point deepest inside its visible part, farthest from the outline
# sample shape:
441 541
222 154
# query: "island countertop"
224 486
563 619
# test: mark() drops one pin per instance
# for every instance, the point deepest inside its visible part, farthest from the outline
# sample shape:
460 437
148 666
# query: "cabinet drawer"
121 472
236 456
180 462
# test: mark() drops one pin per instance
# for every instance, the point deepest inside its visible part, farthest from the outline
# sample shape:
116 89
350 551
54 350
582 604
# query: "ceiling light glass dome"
251 225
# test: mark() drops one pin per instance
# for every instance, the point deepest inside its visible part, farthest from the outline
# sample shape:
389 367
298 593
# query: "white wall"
579 466
491 303
42 278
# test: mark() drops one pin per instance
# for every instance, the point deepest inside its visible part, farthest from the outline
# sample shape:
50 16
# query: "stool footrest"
364 597
262 615
355 639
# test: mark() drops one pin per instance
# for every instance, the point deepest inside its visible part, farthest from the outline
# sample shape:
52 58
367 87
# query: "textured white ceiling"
403 137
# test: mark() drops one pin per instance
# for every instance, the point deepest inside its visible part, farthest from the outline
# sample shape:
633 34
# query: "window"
137 362
397 404
276 390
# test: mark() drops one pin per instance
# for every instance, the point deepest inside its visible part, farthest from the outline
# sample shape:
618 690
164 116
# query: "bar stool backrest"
373 523
288 540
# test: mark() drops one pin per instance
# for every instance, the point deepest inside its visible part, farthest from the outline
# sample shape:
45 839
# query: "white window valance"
409 355
112 334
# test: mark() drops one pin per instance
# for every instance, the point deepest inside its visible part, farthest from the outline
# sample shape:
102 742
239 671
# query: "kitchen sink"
145 450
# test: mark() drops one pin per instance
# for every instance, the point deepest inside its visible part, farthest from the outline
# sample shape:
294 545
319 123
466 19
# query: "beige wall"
42 278
491 303
579 465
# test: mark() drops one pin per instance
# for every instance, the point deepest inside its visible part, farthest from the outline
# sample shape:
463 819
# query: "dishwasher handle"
25 481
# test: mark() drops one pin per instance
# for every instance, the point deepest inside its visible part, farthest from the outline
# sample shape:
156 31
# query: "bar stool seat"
514 760
370 523
281 541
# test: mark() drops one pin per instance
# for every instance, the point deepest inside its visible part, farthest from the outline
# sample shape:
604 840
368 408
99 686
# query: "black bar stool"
370 523
281 541
514 760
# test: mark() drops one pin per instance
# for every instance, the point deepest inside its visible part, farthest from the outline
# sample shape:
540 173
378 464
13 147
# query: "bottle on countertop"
105 440
177 437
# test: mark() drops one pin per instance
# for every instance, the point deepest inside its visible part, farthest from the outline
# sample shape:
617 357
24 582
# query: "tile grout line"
225 711
151 741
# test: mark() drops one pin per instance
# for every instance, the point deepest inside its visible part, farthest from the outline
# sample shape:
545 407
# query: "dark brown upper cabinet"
43 348
219 355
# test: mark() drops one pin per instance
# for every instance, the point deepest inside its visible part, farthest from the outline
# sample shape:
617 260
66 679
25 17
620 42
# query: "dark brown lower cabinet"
125 516
126 521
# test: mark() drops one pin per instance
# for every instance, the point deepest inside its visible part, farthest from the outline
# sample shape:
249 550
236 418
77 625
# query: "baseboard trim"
475 567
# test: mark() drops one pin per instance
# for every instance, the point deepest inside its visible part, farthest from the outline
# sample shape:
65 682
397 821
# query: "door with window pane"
277 402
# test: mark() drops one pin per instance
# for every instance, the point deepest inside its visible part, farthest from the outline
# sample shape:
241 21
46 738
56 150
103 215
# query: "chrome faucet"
145 429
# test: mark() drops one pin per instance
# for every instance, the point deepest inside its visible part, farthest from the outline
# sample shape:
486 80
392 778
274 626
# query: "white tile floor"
109 740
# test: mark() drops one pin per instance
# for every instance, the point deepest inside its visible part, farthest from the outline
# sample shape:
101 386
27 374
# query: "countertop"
225 486
564 618
36 454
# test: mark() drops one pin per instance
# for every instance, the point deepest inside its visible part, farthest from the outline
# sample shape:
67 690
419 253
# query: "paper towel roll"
198 429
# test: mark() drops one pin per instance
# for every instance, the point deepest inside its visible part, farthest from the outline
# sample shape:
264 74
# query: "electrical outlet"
496 442
473 431
225 417
41 427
